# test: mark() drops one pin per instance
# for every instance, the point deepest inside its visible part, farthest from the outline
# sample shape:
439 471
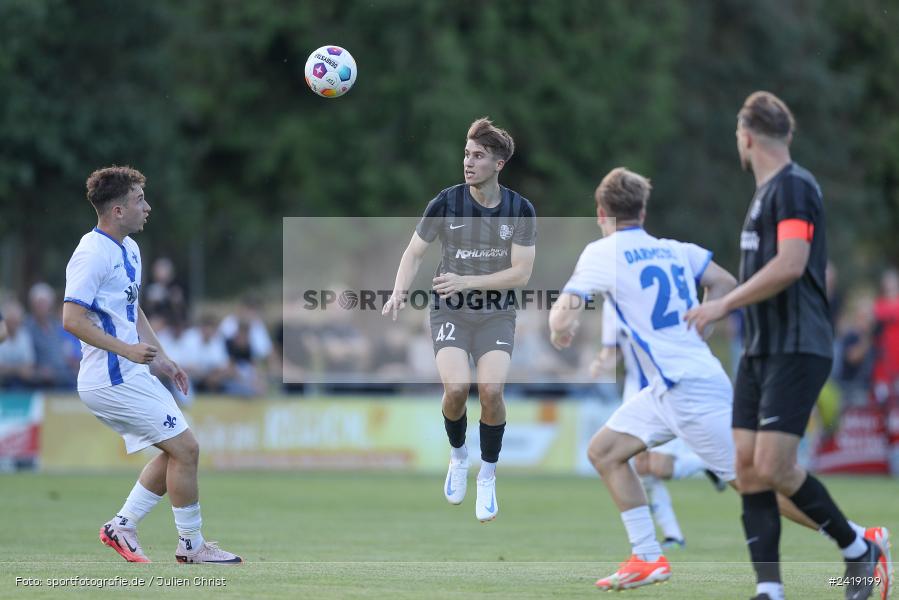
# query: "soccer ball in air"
330 71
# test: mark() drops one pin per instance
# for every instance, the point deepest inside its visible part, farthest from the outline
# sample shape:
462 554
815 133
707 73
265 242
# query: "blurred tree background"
208 99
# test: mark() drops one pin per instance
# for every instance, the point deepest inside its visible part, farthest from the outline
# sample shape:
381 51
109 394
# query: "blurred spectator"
886 339
163 295
17 352
834 293
344 348
422 365
243 376
201 352
56 364
248 313
534 359
391 353
853 373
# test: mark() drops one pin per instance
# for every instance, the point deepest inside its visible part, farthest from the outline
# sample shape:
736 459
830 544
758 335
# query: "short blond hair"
623 194
765 113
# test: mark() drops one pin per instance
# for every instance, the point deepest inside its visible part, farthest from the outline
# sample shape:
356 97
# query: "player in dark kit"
788 350
488 233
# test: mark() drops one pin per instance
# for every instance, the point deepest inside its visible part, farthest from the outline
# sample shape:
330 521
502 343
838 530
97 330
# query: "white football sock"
686 466
856 549
858 528
459 454
641 533
188 521
487 471
663 511
138 505
774 589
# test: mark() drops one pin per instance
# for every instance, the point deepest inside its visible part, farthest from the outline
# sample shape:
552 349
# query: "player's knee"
661 466
744 461
641 464
187 451
769 472
600 455
594 455
660 471
456 392
490 393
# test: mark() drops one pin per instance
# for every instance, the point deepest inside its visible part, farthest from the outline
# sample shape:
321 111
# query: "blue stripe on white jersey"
642 345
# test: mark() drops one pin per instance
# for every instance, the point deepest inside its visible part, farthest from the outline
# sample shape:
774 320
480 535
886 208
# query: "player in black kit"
788 350
488 233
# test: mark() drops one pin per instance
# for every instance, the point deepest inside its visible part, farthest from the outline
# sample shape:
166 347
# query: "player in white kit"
671 460
650 283
121 358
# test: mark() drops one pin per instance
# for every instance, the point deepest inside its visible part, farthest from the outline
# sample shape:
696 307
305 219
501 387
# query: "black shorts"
475 332
779 391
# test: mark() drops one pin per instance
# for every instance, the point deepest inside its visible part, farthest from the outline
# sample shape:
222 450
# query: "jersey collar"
101 232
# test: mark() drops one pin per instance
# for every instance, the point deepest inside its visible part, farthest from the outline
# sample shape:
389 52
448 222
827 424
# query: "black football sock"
761 522
491 441
455 430
812 499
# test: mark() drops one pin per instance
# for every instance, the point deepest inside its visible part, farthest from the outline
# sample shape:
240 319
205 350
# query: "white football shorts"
697 411
141 410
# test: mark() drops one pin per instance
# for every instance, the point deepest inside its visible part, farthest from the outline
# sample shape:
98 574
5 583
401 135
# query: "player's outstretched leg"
181 480
486 506
120 532
609 452
452 364
663 512
493 368
662 464
457 475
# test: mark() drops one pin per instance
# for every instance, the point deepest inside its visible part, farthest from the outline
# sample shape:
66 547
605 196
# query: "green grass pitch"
368 535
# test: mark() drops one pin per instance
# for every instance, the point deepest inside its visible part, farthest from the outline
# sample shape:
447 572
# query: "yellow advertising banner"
333 433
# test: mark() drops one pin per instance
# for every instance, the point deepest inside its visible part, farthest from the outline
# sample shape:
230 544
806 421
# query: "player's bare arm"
409 265
76 322
563 320
785 268
3 332
605 361
717 283
522 258
162 364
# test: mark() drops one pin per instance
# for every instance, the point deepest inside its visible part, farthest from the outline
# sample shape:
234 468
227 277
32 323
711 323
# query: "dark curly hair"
110 184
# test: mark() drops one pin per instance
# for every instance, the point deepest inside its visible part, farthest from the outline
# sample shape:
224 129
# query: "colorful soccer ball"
330 71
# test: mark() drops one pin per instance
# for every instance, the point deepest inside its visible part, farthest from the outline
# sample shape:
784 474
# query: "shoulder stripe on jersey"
78 302
702 269
129 268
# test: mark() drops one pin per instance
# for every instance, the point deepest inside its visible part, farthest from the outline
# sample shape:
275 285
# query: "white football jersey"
104 277
650 283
